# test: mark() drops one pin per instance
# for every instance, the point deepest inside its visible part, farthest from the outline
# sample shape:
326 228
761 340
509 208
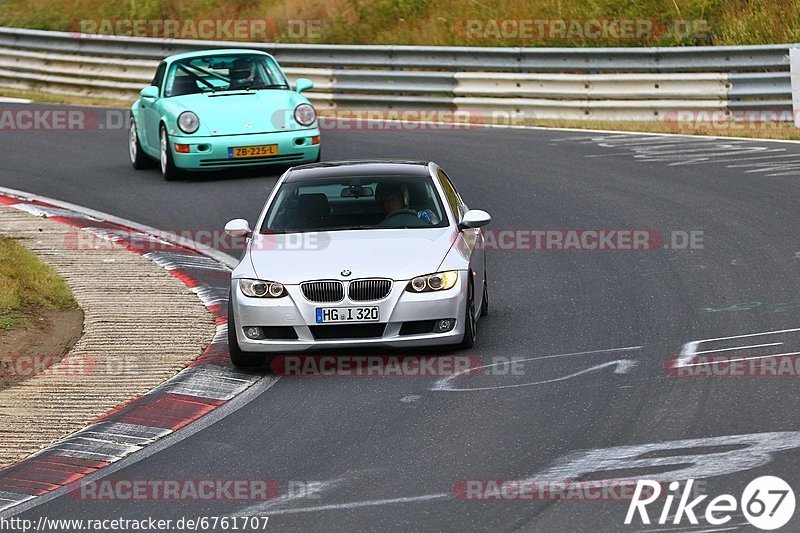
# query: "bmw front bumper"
398 308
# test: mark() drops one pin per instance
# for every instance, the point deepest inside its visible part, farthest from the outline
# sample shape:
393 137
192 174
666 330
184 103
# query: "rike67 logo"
767 503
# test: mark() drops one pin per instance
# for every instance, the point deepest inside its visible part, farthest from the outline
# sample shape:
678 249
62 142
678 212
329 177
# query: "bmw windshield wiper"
338 228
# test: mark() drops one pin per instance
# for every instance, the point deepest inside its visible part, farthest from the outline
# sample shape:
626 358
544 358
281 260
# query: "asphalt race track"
389 451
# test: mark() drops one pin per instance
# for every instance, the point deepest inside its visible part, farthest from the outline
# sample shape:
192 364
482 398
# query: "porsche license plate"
347 314
265 150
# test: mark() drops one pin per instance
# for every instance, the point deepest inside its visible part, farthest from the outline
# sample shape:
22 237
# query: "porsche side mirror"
474 218
151 92
238 227
303 84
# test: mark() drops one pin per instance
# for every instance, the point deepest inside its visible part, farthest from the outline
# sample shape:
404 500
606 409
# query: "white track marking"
689 350
368 503
713 158
772 151
740 348
610 134
690 156
773 168
697 150
753 358
628 142
622 366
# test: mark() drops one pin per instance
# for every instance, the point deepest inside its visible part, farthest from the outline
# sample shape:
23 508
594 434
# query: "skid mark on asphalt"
621 366
677 151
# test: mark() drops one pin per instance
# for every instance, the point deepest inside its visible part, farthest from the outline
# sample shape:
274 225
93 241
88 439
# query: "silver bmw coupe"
358 254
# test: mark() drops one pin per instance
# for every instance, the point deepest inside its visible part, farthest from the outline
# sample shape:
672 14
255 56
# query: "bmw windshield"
355 203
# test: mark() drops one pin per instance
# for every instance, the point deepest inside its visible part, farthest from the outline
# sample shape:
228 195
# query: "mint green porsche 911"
218 109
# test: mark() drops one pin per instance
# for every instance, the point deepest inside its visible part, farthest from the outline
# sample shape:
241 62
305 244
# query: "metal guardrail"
584 83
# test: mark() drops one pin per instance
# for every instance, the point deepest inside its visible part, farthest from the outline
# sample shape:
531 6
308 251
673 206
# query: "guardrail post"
794 69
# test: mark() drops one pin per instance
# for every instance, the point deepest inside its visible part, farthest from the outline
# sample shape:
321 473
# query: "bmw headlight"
440 281
258 288
305 115
188 122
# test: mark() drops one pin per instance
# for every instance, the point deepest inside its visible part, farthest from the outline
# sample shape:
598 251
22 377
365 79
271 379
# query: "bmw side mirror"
474 218
151 92
238 227
303 84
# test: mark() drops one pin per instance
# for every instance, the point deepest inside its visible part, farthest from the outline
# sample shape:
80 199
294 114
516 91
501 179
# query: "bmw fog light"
445 325
253 333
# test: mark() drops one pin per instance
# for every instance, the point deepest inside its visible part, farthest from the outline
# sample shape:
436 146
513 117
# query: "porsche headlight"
258 288
188 122
440 281
305 115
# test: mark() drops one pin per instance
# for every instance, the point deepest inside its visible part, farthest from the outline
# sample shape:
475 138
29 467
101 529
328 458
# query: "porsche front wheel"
139 159
168 169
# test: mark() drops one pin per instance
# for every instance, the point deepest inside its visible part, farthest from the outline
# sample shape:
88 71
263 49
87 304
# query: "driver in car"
243 74
392 199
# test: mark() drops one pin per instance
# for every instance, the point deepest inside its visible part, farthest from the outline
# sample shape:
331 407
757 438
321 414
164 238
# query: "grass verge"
27 284
442 22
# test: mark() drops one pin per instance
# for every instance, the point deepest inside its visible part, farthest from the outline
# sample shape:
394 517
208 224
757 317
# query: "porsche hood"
242 112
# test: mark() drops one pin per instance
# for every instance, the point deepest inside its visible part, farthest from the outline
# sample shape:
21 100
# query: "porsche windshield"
224 73
355 203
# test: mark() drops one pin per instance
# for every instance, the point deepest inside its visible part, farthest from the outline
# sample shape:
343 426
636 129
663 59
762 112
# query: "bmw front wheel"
470 323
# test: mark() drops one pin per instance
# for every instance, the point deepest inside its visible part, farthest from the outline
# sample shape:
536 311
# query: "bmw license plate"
265 150
347 314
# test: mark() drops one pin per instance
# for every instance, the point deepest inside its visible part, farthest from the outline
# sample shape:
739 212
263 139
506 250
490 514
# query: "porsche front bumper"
208 153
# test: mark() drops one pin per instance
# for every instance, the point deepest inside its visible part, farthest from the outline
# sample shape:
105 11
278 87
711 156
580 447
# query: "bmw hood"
238 112
395 254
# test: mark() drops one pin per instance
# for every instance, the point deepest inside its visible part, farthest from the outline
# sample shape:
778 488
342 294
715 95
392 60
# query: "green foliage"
27 283
441 22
